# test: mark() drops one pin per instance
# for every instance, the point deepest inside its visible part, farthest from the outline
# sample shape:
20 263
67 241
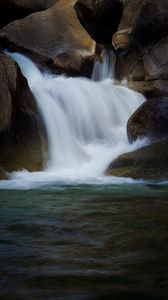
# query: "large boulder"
11 10
100 18
150 120
20 127
143 23
54 38
141 40
149 162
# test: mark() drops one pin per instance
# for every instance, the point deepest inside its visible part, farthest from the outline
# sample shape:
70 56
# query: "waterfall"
85 120
104 69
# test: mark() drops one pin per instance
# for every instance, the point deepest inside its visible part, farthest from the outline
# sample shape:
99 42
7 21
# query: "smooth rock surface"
100 18
20 128
149 162
54 38
150 120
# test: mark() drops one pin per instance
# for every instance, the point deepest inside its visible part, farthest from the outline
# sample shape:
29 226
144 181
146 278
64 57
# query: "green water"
84 242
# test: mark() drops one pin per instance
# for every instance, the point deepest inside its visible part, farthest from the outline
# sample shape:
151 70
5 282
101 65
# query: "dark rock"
11 10
54 38
100 18
20 128
123 39
152 22
3 174
141 45
150 120
149 162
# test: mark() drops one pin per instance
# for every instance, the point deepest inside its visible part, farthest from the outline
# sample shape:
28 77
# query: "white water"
104 69
85 123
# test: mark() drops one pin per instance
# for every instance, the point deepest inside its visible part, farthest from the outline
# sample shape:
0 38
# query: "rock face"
100 18
149 162
11 10
20 134
150 120
54 38
141 39
3 174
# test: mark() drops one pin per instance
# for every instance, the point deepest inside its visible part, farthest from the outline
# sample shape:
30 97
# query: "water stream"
85 122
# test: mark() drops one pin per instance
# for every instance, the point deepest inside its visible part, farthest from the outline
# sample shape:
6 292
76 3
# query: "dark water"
84 242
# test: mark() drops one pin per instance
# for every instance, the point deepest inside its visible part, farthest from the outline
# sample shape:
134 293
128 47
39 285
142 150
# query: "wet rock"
53 38
149 162
11 10
20 128
150 120
100 18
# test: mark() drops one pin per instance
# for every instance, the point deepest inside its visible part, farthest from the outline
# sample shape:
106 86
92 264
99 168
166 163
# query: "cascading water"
104 69
85 121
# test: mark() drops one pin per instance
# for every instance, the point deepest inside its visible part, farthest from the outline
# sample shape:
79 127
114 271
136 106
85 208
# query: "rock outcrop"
54 38
141 39
100 18
11 10
20 132
149 162
150 120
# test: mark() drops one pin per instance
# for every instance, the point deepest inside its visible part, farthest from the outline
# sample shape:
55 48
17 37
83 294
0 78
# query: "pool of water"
84 242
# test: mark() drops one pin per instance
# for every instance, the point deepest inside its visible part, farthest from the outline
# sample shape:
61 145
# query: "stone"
11 10
3 174
100 18
21 132
149 162
51 37
150 120
141 44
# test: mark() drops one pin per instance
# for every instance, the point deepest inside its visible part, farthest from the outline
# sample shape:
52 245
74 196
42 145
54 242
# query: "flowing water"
85 123
70 232
104 69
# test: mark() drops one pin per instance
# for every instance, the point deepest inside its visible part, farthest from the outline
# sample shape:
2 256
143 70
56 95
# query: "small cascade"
104 69
85 120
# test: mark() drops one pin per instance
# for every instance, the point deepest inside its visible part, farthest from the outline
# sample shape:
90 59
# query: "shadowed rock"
54 38
100 18
3 174
20 127
141 39
149 162
150 120
11 10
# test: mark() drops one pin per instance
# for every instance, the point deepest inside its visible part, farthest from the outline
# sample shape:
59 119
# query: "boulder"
3 174
150 120
100 18
11 10
143 23
54 38
20 128
141 44
149 162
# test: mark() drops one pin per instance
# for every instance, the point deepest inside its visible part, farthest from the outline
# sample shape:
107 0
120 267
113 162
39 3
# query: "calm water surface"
84 242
